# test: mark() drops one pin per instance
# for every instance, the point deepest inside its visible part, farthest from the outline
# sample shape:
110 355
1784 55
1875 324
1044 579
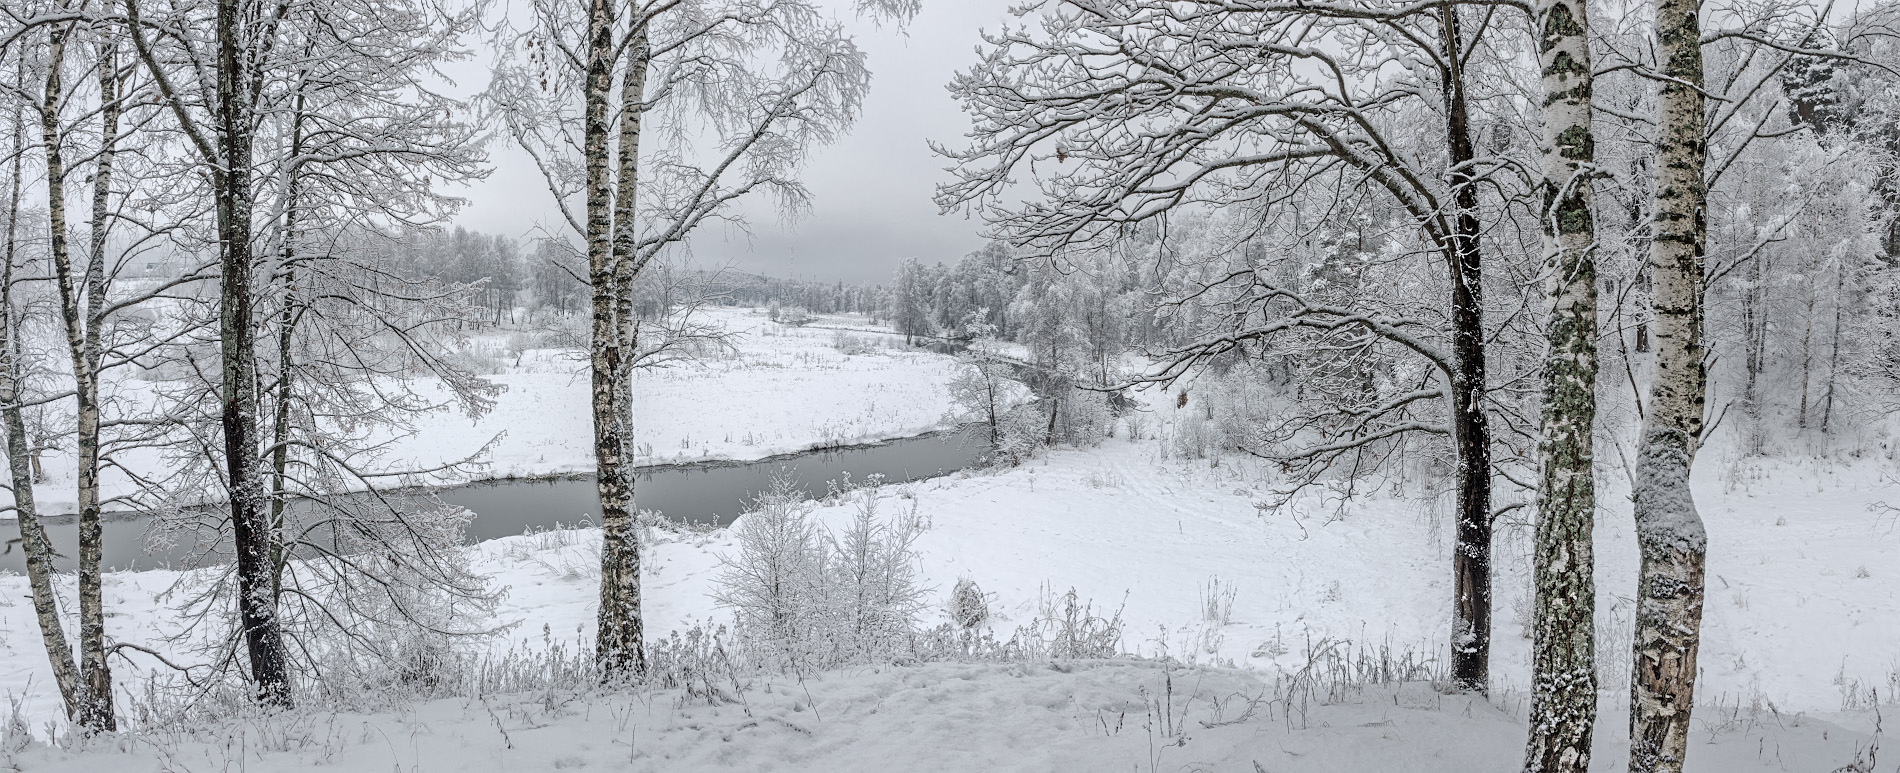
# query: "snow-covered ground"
779 389
1801 618
1803 604
949 718
1791 621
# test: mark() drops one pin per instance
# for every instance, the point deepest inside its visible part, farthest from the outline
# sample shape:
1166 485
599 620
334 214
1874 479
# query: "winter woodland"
1341 385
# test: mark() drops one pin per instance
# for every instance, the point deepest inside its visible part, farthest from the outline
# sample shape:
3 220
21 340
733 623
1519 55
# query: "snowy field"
778 389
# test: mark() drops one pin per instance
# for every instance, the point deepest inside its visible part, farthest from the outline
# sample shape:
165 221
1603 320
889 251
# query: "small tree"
982 387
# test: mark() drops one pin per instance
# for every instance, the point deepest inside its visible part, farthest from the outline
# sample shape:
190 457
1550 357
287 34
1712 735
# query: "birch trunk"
92 620
610 245
257 605
79 320
1471 555
1669 532
33 542
1563 649
1807 346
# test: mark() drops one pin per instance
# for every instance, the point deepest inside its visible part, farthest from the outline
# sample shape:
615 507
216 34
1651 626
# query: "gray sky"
871 191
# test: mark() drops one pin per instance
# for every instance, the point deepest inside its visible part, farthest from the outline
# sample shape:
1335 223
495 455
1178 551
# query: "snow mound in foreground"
1078 716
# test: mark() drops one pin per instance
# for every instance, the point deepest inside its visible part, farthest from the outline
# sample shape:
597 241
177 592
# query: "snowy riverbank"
778 390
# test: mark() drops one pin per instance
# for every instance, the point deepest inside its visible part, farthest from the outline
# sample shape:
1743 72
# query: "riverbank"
778 390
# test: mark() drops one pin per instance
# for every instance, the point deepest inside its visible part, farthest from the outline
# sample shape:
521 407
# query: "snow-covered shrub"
1137 421
16 733
698 664
1217 601
849 344
1335 669
521 341
968 607
770 585
1189 439
1020 433
1066 627
807 598
479 358
1083 418
795 316
1101 478
872 591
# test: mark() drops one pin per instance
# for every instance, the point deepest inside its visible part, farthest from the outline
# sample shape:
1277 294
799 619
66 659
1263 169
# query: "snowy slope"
951 718
1789 614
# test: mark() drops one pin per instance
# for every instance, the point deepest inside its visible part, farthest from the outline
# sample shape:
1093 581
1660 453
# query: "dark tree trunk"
1471 552
257 605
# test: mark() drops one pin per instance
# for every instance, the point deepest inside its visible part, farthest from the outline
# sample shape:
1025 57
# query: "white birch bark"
1563 656
1669 531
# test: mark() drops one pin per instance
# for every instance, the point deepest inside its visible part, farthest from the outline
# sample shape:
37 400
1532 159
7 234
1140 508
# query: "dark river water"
706 492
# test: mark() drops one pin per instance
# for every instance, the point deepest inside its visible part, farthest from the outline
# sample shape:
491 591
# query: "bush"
795 316
1067 628
807 598
849 344
1020 432
968 607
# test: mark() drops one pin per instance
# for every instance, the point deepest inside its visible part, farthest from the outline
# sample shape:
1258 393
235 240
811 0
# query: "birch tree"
14 354
80 118
1718 104
1563 658
718 101
1669 531
82 320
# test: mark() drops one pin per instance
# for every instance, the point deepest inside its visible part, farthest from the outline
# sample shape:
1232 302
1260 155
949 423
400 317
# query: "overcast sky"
871 191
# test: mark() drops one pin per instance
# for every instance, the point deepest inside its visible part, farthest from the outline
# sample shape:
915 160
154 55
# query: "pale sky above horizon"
871 192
